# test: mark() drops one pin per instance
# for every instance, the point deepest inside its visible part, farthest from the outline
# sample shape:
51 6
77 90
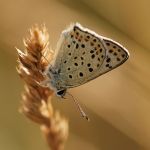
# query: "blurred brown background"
118 102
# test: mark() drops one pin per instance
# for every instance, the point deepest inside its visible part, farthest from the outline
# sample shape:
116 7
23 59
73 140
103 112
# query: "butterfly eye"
61 93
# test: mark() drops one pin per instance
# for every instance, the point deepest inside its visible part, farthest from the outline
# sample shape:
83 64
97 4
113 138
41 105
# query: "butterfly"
82 55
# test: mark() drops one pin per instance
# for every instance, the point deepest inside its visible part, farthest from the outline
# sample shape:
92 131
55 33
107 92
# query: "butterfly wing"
116 55
82 55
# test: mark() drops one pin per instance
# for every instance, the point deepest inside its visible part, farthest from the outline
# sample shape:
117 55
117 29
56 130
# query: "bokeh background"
118 103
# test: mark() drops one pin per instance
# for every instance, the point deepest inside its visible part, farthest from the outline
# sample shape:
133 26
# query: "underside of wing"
83 55
116 55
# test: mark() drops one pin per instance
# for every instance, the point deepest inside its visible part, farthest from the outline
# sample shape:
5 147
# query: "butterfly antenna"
83 114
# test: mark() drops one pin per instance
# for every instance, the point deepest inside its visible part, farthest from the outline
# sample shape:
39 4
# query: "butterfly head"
55 82
61 93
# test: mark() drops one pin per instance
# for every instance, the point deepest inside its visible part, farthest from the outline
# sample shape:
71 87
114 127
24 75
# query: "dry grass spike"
36 103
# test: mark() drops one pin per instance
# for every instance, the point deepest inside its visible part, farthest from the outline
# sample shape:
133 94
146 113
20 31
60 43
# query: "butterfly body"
81 56
55 81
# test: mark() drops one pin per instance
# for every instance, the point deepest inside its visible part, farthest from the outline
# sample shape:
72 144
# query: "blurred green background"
118 103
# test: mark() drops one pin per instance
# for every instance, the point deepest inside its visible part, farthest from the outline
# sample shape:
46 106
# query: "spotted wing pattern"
82 55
